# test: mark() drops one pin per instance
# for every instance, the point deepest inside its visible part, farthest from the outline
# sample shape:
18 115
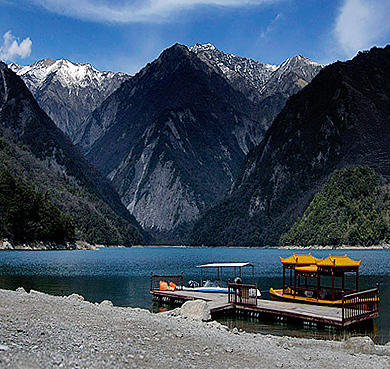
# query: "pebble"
78 334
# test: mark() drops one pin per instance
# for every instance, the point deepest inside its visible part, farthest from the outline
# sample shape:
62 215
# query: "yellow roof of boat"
307 268
339 261
303 259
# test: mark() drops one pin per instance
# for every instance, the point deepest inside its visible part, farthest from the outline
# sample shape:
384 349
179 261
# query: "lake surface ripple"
122 275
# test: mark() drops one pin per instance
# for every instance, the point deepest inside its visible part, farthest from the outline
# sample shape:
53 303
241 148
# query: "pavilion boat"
218 285
321 281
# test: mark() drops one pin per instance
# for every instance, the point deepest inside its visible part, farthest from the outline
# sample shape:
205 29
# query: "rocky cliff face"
258 80
340 119
269 86
171 139
68 92
246 75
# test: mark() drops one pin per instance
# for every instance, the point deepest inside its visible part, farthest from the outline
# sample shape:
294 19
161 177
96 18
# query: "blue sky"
124 35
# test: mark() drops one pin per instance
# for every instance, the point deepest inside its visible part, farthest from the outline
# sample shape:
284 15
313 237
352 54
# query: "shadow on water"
296 328
269 324
122 291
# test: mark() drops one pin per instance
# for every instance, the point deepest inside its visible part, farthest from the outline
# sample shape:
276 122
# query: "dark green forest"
27 216
39 202
351 209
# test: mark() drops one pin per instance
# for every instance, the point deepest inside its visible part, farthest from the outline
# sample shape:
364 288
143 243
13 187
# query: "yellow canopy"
338 261
307 268
304 259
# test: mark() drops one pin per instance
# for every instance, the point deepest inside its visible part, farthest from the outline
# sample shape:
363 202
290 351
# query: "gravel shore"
43 331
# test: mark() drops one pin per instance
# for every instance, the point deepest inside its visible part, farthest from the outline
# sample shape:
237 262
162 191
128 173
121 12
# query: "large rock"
360 345
197 309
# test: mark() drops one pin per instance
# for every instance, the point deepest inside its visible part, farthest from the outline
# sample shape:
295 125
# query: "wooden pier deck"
215 301
218 303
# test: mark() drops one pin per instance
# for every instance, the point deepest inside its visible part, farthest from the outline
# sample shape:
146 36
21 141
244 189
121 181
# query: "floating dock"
238 302
218 303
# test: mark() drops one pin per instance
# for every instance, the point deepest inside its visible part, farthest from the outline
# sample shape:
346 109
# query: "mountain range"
341 119
269 86
172 138
257 80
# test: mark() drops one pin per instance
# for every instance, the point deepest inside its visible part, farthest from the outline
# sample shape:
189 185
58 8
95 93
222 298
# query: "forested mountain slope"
340 119
36 153
352 208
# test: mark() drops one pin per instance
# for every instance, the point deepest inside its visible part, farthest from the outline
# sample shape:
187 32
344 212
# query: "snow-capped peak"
73 90
297 61
70 75
255 79
233 66
202 47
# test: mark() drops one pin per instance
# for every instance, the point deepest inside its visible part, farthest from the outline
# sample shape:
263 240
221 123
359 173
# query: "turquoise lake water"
122 275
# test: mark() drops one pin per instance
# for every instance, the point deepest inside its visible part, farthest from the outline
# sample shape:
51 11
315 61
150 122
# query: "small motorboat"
217 286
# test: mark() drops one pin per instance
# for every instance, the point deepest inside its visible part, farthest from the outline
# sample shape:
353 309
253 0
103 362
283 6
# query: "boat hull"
216 290
206 289
280 296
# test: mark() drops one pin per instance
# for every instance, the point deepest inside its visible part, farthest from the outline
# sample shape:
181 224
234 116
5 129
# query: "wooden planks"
219 302
324 314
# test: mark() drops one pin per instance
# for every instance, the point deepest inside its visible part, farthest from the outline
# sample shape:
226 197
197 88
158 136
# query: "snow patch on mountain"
68 92
259 80
70 75
231 65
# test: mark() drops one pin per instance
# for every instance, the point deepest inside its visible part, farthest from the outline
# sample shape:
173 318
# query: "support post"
318 284
357 280
295 282
229 295
332 284
256 292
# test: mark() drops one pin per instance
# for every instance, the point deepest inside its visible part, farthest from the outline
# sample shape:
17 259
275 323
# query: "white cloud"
11 48
362 24
271 27
132 11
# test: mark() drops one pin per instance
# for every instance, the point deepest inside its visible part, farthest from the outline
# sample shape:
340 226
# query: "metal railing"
242 294
360 305
155 280
312 292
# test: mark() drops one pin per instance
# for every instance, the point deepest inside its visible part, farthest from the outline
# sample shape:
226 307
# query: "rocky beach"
43 331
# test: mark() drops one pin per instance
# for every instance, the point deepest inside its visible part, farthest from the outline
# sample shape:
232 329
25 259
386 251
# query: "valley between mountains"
200 147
